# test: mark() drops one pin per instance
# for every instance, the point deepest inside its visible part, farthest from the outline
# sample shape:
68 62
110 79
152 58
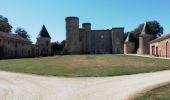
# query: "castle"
87 41
14 46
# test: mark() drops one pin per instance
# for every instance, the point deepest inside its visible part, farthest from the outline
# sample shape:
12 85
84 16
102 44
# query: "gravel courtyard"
14 86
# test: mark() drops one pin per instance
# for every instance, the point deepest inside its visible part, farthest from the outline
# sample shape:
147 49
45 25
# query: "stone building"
87 41
160 46
44 42
14 46
129 46
144 39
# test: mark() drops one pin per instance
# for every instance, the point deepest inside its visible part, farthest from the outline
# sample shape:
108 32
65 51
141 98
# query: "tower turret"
72 35
144 39
86 26
44 42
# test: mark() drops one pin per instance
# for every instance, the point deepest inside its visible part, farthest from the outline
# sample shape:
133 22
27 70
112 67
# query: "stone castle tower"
72 35
86 41
144 40
44 42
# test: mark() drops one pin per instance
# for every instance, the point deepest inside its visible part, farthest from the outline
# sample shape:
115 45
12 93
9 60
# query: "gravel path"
14 86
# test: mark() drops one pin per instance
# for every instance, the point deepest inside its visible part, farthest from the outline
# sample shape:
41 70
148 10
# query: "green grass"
161 93
85 65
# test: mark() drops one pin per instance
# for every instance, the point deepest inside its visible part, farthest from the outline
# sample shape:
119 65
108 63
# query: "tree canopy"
155 29
4 24
58 48
22 32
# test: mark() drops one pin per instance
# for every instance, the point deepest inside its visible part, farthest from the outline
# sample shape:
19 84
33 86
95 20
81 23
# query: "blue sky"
103 14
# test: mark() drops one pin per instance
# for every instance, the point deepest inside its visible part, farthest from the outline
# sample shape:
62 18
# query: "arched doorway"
167 49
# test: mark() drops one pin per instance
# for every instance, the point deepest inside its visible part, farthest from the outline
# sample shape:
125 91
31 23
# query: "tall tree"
155 29
22 32
4 24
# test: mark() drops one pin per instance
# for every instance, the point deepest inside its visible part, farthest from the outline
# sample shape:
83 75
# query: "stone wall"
44 46
117 40
159 48
129 48
11 48
144 41
84 40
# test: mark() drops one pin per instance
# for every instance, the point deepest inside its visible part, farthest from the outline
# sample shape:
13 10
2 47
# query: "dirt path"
30 87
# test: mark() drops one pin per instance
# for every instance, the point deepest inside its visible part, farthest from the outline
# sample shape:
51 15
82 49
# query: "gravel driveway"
14 86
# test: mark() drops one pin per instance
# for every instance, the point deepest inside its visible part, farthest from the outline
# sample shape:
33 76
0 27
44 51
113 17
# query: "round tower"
86 26
144 40
72 35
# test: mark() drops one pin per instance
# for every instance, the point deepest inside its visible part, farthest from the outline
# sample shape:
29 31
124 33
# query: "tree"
22 32
154 28
4 24
57 47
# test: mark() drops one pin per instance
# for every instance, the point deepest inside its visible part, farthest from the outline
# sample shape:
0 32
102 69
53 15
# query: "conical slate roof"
145 29
44 33
128 38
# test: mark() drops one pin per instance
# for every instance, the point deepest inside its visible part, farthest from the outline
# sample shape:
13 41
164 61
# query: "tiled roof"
44 32
161 38
13 36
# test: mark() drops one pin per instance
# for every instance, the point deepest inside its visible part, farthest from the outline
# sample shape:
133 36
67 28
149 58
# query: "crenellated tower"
86 37
72 35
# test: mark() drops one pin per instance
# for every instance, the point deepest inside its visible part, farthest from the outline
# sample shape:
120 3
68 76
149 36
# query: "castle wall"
118 40
85 40
102 41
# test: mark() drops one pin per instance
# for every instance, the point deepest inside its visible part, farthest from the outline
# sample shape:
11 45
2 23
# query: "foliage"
154 28
161 93
22 32
58 48
4 24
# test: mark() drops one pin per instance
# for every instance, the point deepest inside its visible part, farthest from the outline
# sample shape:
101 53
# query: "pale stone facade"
129 47
160 46
14 46
44 42
144 40
86 41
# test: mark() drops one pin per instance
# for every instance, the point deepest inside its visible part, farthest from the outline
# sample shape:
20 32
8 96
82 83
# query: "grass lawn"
161 93
85 65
